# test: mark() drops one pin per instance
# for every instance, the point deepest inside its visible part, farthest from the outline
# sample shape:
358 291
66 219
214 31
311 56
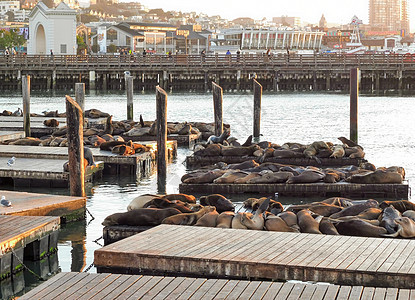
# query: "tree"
11 38
81 44
112 48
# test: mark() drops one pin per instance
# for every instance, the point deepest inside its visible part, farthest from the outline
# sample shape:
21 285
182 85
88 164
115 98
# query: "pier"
115 286
34 204
169 250
319 72
27 237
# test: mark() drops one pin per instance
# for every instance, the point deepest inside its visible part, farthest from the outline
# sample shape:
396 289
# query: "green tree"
112 48
81 44
11 38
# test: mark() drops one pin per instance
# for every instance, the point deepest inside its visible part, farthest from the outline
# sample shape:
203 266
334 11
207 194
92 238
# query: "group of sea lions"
228 146
251 172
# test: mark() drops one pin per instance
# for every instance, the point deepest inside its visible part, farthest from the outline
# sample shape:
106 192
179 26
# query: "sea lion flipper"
390 235
264 206
141 121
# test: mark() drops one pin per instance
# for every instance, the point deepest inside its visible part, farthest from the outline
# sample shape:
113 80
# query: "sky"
335 11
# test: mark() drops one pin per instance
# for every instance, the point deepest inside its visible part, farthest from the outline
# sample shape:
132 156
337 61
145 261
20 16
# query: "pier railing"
243 61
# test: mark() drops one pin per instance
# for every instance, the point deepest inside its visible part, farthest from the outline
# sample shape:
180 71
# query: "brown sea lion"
355 209
210 150
287 154
275 207
388 217
188 218
107 146
220 202
376 177
95 113
29 141
271 177
244 165
307 223
331 178
255 221
409 214
165 203
401 205
237 221
327 227
406 228
275 223
290 218
324 153
239 151
247 178
338 151
308 176
207 177
230 176
371 213
359 227
354 152
339 201
348 142
139 201
186 129
51 123
208 220
324 209
224 219
140 217
181 197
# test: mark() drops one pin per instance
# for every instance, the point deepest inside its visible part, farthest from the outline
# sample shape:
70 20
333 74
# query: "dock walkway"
69 208
169 250
113 286
10 135
18 233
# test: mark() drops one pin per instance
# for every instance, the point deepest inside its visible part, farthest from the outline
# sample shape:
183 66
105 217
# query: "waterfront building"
260 40
52 29
389 15
6 6
287 21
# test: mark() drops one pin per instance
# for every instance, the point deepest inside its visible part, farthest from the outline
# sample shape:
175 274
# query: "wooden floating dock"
115 286
195 161
113 163
92 122
25 237
69 208
174 250
42 172
349 190
10 135
182 140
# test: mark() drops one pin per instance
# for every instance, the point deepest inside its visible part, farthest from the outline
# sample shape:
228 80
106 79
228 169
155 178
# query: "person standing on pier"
203 55
228 56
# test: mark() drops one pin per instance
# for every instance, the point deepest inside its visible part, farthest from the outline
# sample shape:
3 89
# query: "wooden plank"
273 290
250 289
173 285
58 286
52 283
125 285
194 286
261 290
331 292
135 287
391 293
379 294
146 287
227 289
368 293
285 290
401 247
320 291
403 257
343 293
404 294
153 292
238 290
356 292
80 289
296 291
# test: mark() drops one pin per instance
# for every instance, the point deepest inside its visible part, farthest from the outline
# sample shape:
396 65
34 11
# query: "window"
63 48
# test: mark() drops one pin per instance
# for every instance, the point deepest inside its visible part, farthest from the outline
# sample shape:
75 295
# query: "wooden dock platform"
182 140
340 189
115 286
174 250
92 122
196 161
69 208
11 135
113 163
17 237
42 172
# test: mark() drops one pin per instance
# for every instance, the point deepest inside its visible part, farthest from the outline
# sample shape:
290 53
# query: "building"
6 6
52 29
323 22
388 15
287 21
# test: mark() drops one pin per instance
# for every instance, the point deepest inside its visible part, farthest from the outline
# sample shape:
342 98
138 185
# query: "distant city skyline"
340 12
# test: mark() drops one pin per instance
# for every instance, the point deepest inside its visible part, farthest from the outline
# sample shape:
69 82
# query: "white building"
6 6
52 29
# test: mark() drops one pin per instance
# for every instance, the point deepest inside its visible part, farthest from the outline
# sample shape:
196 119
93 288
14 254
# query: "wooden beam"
161 110
26 104
354 99
217 108
257 107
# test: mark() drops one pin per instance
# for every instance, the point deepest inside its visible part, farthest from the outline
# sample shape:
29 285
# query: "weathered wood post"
26 104
217 108
257 108
80 95
129 87
75 127
354 98
161 111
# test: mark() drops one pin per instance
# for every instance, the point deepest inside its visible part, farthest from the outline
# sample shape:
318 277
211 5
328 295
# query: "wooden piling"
80 95
161 110
26 104
217 108
354 97
129 87
75 127
257 107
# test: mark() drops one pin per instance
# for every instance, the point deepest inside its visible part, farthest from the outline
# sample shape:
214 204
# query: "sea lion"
282 153
406 228
95 114
186 129
224 219
275 223
307 223
107 146
248 141
354 152
331 177
255 221
324 209
401 205
89 156
137 131
359 227
239 151
327 227
376 177
51 123
219 139
165 203
247 178
208 220
275 207
188 218
409 214
371 213
139 201
210 150
220 202
243 165
140 217
28 141
207 177
339 201
230 176
338 151
181 197
237 221
388 217
308 176
274 177
290 218
355 209
348 142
